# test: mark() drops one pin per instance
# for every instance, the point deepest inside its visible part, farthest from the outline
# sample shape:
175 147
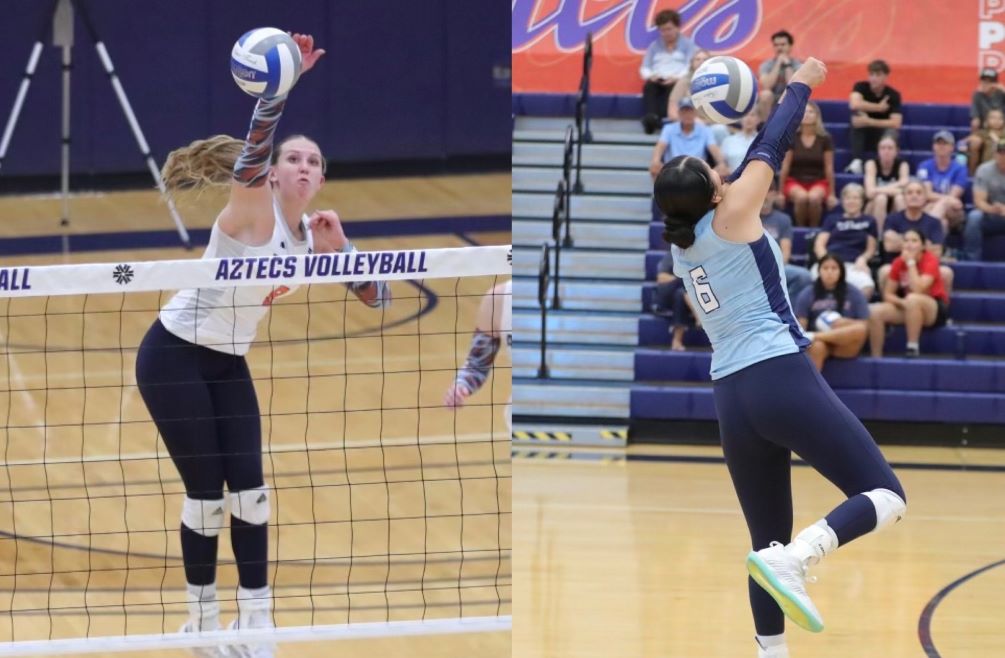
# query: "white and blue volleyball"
265 62
825 321
724 89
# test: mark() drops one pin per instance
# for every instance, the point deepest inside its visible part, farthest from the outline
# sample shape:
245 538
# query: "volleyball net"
390 511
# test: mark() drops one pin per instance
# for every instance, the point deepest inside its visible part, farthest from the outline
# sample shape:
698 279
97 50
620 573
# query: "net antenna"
62 37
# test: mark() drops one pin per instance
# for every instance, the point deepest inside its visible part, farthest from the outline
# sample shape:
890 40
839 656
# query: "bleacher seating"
961 374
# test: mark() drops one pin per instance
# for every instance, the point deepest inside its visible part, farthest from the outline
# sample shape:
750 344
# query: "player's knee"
205 517
251 505
891 506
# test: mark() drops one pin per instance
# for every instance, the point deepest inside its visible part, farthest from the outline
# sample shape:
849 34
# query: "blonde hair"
819 126
854 188
210 162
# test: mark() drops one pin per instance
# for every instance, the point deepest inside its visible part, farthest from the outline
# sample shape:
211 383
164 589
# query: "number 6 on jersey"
703 289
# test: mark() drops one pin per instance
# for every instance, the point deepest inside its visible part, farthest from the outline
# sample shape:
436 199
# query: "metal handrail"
559 214
542 300
567 178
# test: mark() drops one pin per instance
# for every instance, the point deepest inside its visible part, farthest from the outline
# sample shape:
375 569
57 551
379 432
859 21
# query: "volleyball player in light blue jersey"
770 399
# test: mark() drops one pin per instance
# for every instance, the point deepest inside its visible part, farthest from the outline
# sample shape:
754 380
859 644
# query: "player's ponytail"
683 193
203 163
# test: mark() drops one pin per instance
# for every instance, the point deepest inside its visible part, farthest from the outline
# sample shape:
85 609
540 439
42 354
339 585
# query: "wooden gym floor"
364 460
645 557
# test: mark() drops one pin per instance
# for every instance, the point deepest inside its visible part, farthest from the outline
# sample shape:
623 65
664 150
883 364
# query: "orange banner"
934 47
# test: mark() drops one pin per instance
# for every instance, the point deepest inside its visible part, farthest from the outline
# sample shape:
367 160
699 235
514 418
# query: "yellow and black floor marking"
565 435
520 435
568 455
614 435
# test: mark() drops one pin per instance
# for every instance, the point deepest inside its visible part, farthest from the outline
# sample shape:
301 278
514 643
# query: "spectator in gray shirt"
988 215
666 61
775 73
988 96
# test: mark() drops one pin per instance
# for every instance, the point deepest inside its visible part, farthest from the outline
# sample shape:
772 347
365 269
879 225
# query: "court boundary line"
928 612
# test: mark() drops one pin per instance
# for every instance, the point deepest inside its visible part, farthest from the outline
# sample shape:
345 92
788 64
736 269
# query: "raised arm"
250 202
485 345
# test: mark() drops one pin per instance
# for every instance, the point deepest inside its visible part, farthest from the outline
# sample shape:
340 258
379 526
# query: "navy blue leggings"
204 405
781 406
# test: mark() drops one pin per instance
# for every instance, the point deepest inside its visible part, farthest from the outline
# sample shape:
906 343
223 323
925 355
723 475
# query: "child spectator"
982 144
988 215
775 73
835 314
945 179
665 62
807 174
671 297
885 178
875 108
913 296
851 236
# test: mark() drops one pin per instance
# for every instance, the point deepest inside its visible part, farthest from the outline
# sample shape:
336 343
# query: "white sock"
252 605
203 608
772 646
912 346
814 543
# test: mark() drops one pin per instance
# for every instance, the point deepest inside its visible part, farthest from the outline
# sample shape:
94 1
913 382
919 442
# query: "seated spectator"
686 137
875 108
671 296
851 236
775 73
885 178
835 314
913 296
779 226
945 180
988 96
664 63
735 147
983 143
807 174
988 215
913 216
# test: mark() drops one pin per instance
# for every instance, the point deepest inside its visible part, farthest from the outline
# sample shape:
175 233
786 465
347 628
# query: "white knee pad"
890 507
205 517
251 505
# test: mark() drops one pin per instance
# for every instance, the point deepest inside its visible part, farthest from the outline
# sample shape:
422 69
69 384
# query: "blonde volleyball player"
770 399
493 330
191 367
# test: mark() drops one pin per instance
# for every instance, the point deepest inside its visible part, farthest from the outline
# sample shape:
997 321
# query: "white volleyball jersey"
226 319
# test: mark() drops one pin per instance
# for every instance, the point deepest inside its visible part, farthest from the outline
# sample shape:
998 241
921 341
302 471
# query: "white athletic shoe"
253 613
854 167
783 576
192 626
774 652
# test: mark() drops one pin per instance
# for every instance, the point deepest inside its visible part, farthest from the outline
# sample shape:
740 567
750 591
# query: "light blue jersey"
739 292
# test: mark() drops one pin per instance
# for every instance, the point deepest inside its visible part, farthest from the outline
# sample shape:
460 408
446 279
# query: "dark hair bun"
679 231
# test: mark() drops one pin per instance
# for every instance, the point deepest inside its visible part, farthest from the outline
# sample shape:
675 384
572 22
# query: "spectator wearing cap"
988 96
983 143
988 215
686 137
945 180
776 72
665 62
875 108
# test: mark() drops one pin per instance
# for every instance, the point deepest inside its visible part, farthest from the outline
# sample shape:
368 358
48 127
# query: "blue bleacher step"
924 374
581 263
577 327
608 156
572 398
576 362
594 181
696 402
592 234
528 205
581 294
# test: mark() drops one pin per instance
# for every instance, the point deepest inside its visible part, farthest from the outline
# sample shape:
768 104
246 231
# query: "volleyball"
265 62
826 320
724 89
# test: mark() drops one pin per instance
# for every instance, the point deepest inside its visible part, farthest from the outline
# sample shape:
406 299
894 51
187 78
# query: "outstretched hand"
308 55
327 229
